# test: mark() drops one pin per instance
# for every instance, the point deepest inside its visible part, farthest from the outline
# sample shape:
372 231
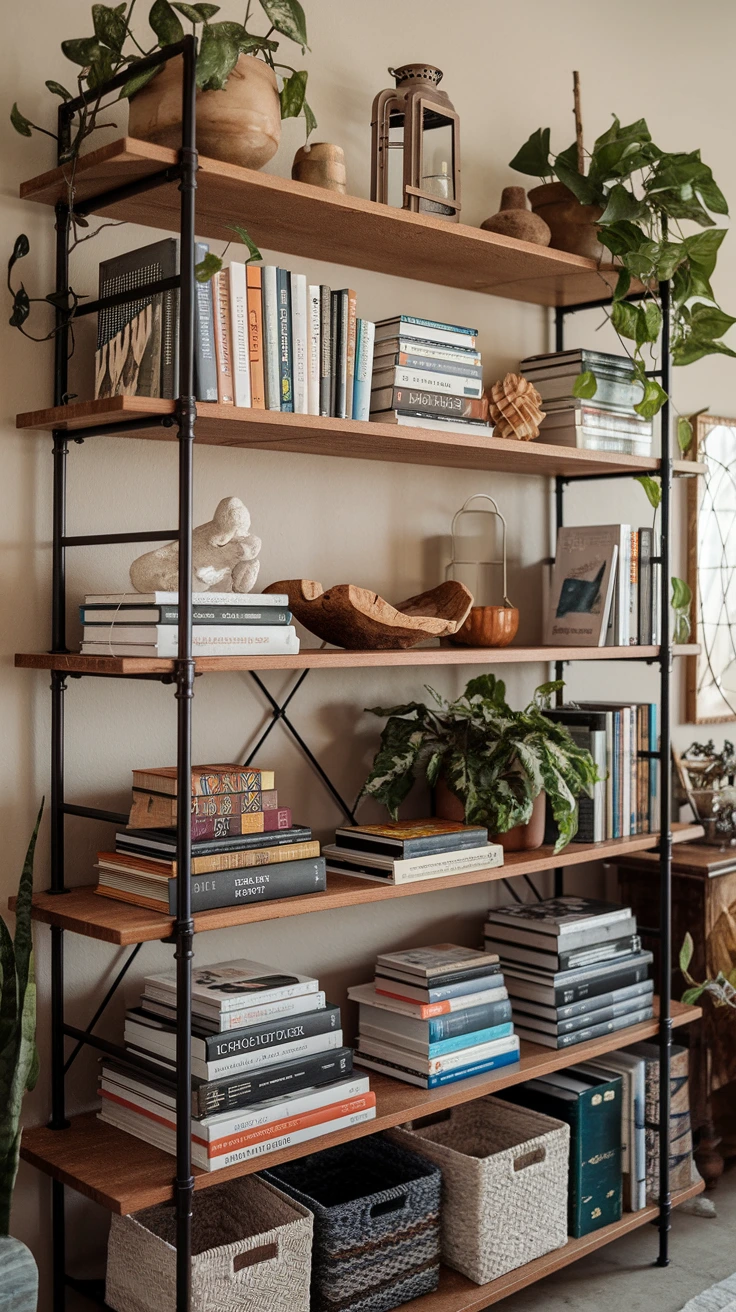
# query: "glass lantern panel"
437 160
395 191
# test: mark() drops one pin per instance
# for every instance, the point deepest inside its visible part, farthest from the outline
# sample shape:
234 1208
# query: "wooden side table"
703 903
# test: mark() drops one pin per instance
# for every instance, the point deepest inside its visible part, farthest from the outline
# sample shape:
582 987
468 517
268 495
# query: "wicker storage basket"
504 1184
376 1223
251 1251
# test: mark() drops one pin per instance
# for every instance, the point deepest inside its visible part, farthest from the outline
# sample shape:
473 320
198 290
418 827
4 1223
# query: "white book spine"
423 1011
313 349
271 337
452 384
255 641
239 334
423 867
283 1141
164 990
437 1065
299 336
198 599
363 369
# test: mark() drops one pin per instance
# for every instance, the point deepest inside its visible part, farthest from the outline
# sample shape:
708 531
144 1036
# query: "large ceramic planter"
240 124
18 1277
573 226
522 838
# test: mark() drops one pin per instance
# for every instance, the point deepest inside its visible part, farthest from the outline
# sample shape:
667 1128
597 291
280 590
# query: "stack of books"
604 587
224 624
244 846
606 422
264 338
573 966
620 737
435 1015
428 375
268 1063
406 851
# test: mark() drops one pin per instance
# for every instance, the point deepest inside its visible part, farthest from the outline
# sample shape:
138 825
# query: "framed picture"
711 537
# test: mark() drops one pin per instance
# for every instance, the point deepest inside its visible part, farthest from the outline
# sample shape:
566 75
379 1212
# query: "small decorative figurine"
515 408
223 556
321 165
485 626
515 220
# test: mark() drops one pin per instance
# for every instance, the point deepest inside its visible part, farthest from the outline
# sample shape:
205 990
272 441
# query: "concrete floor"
621 1278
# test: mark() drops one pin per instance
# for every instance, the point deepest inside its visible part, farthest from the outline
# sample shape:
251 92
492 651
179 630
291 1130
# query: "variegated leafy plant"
721 990
18 1053
495 759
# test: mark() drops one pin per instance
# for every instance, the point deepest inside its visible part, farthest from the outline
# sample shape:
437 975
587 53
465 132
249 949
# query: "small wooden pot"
522 838
573 226
515 220
321 165
488 626
240 125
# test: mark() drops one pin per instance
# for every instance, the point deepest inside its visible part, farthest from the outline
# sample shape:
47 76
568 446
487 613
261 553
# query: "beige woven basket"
252 1250
504 1184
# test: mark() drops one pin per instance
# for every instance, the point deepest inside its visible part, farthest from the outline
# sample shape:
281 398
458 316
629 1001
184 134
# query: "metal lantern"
486 626
416 118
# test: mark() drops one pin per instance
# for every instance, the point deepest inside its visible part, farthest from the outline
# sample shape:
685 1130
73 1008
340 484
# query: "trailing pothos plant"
721 990
682 594
494 759
645 195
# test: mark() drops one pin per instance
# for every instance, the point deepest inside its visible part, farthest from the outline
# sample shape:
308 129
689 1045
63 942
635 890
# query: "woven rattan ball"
515 408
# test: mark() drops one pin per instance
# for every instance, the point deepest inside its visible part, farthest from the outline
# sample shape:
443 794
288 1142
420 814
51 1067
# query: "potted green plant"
494 762
18 1072
241 124
632 201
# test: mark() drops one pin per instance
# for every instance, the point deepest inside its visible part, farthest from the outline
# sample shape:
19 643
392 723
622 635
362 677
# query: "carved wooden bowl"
488 626
359 620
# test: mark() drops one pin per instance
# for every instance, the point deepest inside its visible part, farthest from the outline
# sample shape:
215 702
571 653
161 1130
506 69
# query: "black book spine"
578 958
455 1023
401 850
645 587
205 364
325 368
271 1082
234 888
632 994
283 296
334 330
488 967
271 1034
341 354
591 988
125 841
597 1031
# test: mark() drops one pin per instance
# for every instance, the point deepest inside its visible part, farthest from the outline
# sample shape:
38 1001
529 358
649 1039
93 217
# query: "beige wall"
507 69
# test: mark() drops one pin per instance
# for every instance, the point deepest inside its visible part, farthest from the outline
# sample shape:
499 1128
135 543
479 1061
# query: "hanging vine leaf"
684 434
138 81
652 489
682 594
81 50
21 248
287 16
309 119
247 240
110 25
533 158
207 267
165 23
57 89
20 122
218 55
21 308
585 386
292 95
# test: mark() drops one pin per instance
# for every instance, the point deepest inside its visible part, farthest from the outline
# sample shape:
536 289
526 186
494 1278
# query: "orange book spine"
223 342
290 1124
255 337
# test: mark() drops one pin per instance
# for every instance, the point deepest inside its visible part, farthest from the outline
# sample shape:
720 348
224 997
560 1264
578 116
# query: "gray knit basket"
376 1223
251 1248
504 1184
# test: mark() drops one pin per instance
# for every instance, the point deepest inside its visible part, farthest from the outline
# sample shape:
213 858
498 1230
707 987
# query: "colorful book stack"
604 587
573 966
244 846
406 851
605 422
264 338
620 738
435 1015
224 624
590 1102
428 375
269 1066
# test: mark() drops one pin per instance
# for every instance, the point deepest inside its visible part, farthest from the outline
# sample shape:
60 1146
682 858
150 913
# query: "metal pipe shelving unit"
183 676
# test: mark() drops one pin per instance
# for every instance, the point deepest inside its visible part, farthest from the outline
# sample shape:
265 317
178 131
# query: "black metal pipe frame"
663 755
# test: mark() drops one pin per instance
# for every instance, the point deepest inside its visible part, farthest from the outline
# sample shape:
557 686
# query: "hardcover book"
581 591
490 992
207 780
224 888
409 838
286 380
255 337
223 337
399 1071
132 358
161 843
558 917
313 348
205 364
364 346
437 961
231 984
419 400
249 813
271 337
223 858
299 340
680 1137
239 335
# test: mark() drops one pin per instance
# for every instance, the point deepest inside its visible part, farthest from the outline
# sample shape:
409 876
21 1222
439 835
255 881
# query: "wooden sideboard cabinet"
703 903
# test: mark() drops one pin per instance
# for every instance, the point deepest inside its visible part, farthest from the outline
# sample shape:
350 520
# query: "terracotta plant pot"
241 124
522 838
488 626
321 165
572 225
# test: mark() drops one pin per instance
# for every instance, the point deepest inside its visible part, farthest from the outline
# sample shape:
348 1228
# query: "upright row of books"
621 737
428 374
269 1065
245 846
604 588
607 420
264 338
223 624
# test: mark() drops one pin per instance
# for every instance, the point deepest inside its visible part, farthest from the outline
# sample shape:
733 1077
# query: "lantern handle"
480 510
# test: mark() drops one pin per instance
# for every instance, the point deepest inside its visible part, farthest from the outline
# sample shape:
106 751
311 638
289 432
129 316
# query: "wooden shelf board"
76 663
458 1294
83 911
283 215
270 430
124 1174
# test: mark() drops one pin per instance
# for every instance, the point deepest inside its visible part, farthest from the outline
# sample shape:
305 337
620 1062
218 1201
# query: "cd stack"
268 1063
435 1015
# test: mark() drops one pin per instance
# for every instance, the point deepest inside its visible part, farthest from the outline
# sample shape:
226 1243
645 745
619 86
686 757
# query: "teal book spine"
469 1041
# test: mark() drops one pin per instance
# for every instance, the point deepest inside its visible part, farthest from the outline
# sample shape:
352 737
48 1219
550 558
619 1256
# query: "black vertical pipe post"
665 794
559 328
58 687
559 874
184 667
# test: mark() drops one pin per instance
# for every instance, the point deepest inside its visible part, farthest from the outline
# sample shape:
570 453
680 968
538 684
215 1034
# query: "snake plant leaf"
23 939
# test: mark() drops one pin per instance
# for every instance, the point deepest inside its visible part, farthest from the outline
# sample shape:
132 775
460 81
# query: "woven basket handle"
253 1256
533 1157
387 1206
